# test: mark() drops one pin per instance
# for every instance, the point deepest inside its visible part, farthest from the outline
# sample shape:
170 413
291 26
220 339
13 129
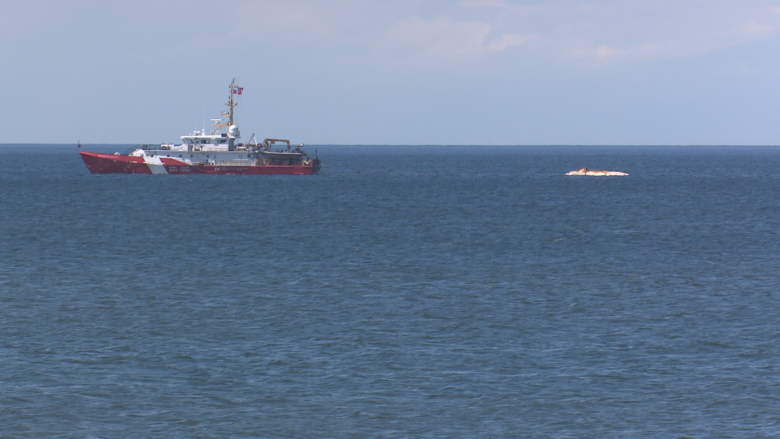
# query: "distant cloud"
755 29
610 31
485 3
446 39
637 52
369 33
605 51
509 40
441 32
501 4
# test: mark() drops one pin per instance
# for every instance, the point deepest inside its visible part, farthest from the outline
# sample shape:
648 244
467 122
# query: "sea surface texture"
405 292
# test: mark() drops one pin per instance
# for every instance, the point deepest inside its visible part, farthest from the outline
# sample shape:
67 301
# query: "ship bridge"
200 141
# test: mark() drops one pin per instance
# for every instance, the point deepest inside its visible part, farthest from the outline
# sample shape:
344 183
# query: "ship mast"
234 90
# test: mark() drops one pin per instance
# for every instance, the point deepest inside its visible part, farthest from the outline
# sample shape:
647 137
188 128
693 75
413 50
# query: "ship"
218 152
592 173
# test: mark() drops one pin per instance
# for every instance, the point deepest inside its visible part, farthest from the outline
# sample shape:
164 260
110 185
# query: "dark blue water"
404 292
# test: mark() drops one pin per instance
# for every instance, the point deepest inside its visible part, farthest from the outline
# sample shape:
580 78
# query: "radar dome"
233 131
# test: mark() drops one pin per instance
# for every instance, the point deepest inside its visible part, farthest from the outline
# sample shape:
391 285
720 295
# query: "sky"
389 72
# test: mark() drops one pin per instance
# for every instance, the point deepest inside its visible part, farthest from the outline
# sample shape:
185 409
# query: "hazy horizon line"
430 144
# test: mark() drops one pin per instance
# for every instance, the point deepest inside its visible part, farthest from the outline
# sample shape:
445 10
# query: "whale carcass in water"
592 173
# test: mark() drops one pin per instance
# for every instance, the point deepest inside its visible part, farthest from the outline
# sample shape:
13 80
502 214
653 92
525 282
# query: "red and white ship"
216 153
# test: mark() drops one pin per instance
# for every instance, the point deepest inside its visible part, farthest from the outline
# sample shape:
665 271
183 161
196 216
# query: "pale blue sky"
394 71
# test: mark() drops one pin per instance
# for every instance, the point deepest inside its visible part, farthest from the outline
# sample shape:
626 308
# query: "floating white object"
591 173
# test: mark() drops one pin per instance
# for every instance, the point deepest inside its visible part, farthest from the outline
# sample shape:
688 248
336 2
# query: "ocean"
404 292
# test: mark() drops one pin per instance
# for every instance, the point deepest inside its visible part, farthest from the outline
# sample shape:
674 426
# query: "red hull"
114 164
123 164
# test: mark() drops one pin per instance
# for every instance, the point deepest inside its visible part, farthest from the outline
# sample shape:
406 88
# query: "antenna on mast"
234 90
